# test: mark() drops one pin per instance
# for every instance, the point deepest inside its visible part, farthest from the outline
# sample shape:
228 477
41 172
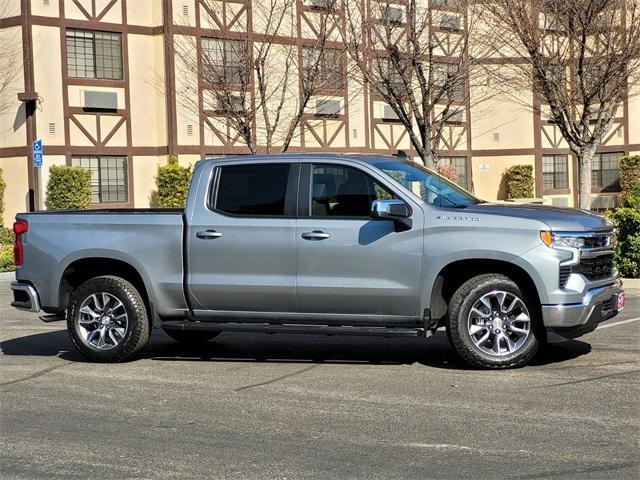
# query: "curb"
7 275
631 283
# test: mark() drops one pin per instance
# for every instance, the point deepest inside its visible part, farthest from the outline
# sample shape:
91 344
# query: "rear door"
241 253
349 263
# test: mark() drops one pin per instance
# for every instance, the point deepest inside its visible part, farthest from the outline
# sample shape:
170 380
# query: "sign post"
37 162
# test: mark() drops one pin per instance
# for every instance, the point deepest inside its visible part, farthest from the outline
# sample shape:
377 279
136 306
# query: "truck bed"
150 240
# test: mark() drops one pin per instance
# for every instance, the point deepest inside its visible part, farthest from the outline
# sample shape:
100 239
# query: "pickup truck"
321 244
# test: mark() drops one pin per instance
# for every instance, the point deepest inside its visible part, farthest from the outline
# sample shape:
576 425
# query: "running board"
181 325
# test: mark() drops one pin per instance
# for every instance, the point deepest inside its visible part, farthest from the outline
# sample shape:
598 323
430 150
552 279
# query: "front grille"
595 268
564 276
598 240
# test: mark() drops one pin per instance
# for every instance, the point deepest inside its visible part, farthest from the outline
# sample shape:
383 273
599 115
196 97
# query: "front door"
349 263
241 250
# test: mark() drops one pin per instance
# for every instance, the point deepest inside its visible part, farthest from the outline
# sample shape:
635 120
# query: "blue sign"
37 153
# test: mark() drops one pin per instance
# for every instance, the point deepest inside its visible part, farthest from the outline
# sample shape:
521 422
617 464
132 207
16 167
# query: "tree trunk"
427 159
585 158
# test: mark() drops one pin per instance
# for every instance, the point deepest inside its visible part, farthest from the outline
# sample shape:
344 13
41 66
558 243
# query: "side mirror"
395 210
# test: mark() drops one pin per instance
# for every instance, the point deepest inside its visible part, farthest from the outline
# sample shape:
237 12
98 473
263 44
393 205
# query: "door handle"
315 235
208 234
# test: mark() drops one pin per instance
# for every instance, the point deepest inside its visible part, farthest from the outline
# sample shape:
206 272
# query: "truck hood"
557 218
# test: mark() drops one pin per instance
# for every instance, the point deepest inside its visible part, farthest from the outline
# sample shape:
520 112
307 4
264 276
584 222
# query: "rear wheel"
187 337
107 319
492 324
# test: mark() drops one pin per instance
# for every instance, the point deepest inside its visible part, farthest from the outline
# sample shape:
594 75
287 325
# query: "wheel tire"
136 332
187 337
458 322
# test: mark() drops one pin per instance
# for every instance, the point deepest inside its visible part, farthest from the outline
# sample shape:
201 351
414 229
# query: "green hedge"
3 185
519 181
630 180
6 250
69 188
627 224
173 182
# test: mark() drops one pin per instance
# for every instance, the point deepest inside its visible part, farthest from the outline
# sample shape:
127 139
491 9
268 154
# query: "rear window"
253 190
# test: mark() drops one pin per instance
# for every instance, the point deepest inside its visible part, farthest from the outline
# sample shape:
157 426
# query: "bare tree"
580 56
416 56
10 59
255 79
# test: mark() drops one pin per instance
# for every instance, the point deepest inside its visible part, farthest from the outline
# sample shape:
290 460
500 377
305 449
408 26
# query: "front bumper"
25 297
576 319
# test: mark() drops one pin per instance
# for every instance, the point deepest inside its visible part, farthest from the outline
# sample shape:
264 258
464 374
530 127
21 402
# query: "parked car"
321 244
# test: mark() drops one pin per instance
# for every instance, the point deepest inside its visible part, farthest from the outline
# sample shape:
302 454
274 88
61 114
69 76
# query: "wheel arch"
453 275
79 270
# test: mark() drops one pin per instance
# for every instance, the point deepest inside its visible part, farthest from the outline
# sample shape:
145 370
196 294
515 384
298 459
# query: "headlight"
560 240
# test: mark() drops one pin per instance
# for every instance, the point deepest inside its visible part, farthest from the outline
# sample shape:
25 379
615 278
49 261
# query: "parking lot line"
619 323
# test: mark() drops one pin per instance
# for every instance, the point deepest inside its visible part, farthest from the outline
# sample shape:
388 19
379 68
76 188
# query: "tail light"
19 227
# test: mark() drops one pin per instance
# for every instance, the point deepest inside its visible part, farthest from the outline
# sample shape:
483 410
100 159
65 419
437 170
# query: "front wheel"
492 324
107 319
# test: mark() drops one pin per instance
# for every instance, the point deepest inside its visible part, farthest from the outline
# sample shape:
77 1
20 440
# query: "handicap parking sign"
37 153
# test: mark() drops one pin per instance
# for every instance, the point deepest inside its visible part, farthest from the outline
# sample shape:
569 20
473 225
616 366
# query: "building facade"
99 82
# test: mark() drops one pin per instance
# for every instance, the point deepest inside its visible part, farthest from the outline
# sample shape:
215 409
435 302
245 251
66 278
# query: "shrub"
630 180
6 258
3 185
448 172
69 188
519 181
173 184
627 224
6 250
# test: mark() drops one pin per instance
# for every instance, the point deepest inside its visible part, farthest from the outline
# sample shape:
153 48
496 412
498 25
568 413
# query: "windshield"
429 186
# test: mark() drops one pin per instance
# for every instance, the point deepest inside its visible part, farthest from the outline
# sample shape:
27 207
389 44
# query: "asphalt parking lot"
293 406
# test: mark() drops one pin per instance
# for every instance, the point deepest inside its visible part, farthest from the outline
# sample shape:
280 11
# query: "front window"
108 177
429 186
555 172
339 191
93 54
460 164
605 173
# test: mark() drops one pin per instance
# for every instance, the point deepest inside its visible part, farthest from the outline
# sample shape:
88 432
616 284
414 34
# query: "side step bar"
181 325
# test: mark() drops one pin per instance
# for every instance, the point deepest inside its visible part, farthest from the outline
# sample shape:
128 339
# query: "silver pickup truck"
321 244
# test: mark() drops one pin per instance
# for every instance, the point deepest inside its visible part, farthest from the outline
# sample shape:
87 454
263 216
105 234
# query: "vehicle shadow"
229 347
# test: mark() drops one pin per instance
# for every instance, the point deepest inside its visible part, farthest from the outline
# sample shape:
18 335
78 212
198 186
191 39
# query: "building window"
605 173
460 164
449 82
324 68
555 172
224 61
94 54
108 177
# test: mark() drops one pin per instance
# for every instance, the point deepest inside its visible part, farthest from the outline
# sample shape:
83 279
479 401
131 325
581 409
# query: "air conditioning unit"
323 4
455 117
604 202
392 14
97 100
560 202
450 22
389 113
327 107
234 105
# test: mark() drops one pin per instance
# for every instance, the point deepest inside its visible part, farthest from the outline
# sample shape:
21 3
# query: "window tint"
338 191
252 189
